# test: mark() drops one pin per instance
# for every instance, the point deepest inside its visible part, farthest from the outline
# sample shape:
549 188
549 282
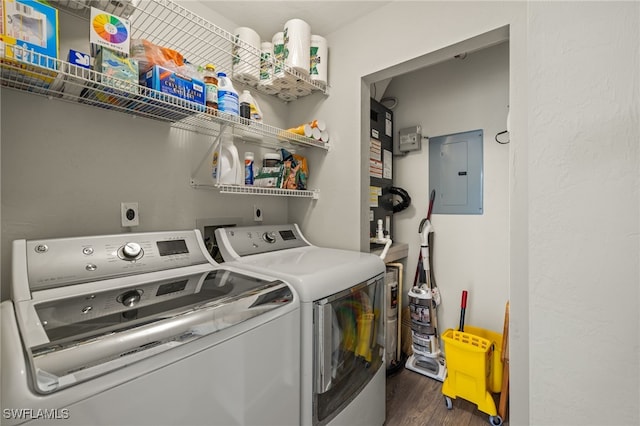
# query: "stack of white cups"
316 129
319 131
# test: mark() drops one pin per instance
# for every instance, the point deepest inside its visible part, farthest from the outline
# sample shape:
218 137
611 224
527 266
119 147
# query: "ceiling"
268 17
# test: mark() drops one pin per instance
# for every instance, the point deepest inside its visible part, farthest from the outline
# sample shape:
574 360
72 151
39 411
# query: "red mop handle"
463 308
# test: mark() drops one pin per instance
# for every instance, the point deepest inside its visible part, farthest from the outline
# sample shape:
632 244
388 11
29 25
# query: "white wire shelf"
256 190
54 78
170 25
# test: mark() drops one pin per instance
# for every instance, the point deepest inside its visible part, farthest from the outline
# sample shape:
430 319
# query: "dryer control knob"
130 298
269 237
131 251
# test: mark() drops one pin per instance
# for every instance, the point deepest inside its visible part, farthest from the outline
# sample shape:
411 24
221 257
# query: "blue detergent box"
166 81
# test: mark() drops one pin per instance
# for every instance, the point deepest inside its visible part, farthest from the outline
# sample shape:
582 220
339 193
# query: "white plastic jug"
227 95
226 162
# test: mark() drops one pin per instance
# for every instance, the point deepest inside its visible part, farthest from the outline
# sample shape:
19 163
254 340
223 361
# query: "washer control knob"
131 251
269 237
130 298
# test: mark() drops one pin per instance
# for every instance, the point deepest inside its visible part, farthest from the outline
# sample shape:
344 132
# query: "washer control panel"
57 262
242 241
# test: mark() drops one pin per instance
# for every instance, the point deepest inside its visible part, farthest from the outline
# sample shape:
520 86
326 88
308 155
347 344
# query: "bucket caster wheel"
448 402
495 420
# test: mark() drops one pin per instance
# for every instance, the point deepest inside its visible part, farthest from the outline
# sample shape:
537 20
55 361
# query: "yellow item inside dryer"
356 318
365 323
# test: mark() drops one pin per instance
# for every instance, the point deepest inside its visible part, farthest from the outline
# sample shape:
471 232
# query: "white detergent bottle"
226 166
227 95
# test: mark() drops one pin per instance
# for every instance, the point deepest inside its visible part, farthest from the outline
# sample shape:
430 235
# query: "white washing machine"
342 308
145 329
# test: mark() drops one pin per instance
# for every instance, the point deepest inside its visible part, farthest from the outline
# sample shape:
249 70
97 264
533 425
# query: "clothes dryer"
342 299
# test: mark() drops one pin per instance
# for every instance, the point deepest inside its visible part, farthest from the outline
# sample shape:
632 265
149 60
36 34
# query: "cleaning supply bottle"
245 104
249 108
227 95
226 166
256 113
248 168
211 85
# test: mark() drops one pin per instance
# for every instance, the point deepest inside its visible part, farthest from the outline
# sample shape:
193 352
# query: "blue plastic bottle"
248 168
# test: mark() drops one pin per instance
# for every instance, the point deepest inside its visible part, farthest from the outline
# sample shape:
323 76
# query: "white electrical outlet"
257 213
129 214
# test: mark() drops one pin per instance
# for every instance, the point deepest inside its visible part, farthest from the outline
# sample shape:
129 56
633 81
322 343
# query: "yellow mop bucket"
494 381
469 370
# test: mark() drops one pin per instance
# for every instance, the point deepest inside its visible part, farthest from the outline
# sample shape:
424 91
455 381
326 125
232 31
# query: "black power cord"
387 199
500 134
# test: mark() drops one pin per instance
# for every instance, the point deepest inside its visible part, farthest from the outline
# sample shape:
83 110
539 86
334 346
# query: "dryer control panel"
237 242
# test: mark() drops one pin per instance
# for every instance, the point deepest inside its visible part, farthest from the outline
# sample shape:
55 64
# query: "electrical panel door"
455 172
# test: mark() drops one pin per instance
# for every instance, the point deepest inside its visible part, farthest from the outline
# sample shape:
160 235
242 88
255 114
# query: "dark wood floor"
417 400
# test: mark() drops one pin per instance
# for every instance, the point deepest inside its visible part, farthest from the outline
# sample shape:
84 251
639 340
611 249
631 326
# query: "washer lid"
67 343
316 272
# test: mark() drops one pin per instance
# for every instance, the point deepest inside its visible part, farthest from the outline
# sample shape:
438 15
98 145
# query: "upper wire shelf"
256 190
59 79
170 25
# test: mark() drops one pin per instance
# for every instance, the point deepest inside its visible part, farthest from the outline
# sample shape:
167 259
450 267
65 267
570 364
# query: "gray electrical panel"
410 139
455 172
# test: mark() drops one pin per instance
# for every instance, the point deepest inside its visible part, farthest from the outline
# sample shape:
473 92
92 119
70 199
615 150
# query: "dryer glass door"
349 345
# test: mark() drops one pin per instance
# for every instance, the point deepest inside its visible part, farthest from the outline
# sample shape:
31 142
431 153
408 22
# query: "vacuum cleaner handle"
422 223
432 198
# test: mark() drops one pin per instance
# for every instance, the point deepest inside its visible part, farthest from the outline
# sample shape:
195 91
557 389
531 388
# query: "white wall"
470 252
584 107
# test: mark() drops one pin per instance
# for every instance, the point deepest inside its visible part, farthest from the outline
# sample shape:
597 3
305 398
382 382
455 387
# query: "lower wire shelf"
256 190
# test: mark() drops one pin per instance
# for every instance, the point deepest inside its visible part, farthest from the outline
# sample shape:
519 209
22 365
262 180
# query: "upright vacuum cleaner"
424 298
